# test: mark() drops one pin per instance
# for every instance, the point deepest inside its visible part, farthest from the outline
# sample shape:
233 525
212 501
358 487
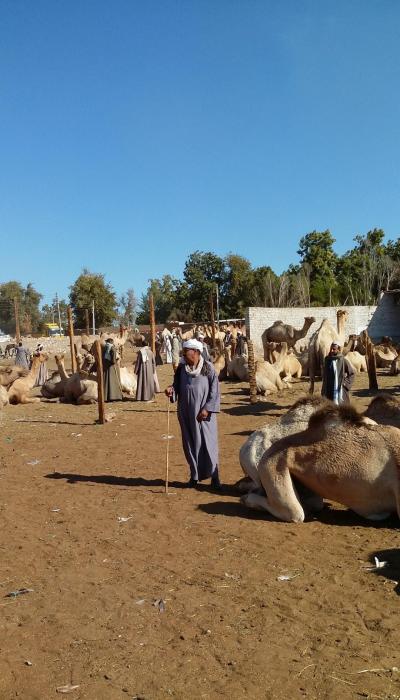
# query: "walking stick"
168 439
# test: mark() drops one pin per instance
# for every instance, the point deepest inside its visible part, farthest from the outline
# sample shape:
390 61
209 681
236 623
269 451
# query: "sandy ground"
230 628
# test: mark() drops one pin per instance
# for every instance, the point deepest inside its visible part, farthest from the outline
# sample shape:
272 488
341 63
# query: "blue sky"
132 133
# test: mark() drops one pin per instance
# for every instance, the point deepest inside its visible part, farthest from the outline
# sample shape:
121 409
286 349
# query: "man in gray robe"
112 384
22 356
176 348
205 353
338 376
197 390
145 369
41 376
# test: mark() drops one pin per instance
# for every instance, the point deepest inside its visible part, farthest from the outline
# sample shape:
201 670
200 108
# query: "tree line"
320 278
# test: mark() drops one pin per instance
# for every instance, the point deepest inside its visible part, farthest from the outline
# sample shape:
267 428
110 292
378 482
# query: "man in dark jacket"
338 376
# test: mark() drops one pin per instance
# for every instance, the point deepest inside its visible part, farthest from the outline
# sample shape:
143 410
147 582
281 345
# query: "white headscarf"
193 344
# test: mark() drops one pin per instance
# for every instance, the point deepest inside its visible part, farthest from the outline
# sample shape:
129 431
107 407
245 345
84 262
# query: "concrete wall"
258 319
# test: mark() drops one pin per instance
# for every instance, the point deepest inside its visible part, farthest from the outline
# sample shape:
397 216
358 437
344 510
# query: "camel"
357 360
220 361
338 457
20 388
3 396
281 332
385 410
78 388
53 388
395 366
9 374
294 421
267 377
384 355
128 381
320 344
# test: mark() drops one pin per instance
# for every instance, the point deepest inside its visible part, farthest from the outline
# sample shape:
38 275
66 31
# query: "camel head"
88 363
309 320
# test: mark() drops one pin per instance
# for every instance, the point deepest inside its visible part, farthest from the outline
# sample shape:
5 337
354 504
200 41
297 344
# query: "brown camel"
9 374
19 390
281 332
338 457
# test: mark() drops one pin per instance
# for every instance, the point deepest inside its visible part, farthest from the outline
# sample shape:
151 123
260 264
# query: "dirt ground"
230 628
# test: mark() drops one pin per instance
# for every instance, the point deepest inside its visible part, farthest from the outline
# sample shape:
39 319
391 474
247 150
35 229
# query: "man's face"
191 356
335 350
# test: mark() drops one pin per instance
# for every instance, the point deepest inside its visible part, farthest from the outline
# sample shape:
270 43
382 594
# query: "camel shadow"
328 516
391 570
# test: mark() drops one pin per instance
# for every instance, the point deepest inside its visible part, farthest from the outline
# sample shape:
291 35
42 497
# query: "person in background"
338 376
22 356
196 389
176 347
205 353
112 384
145 370
41 377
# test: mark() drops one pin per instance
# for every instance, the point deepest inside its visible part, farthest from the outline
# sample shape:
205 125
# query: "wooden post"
71 339
152 324
87 321
370 358
16 313
212 320
100 384
252 372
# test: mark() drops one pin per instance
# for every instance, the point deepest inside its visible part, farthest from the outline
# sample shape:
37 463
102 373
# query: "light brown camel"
10 373
281 332
3 396
267 377
294 421
338 457
19 390
357 360
80 387
320 344
385 410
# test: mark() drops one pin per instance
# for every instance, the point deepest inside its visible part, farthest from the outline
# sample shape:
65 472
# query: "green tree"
89 287
128 308
28 304
237 291
367 268
164 298
316 251
202 272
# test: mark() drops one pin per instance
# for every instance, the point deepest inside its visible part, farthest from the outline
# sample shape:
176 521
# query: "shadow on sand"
391 570
136 481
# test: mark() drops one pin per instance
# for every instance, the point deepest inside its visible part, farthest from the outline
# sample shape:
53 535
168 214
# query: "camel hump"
345 414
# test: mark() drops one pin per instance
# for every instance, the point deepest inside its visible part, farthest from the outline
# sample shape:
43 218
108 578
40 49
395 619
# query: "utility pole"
212 320
93 321
87 321
59 315
16 313
152 323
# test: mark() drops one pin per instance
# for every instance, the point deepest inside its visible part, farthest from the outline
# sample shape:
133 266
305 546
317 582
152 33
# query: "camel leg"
281 494
281 511
29 399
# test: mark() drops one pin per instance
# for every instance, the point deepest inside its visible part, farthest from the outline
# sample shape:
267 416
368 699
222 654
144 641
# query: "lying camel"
9 374
3 396
53 388
357 360
294 421
338 457
267 377
385 410
78 388
20 388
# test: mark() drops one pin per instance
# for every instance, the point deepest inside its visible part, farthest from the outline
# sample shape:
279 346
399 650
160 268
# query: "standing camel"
281 332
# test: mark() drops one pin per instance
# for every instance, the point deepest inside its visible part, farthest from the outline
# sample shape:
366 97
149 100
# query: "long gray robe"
199 439
41 376
145 372
112 384
336 385
22 357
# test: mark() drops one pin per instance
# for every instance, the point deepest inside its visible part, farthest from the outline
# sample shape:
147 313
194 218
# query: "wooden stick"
167 458
87 321
71 339
100 384
252 372
370 359
152 324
